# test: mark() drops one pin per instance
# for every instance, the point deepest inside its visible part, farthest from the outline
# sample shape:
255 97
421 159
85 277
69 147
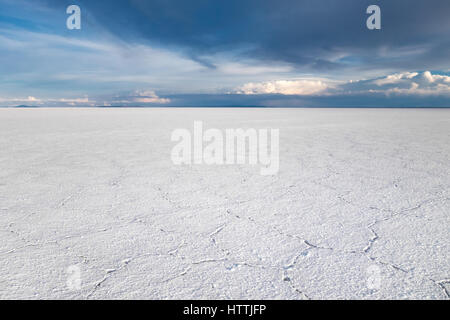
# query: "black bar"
220 309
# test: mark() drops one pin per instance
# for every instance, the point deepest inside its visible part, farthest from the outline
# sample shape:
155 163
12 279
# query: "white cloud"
30 100
72 101
136 97
143 96
19 101
88 64
414 83
436 77
286 87
395 78
407 83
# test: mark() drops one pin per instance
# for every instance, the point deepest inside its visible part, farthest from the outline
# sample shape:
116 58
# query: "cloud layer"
227 53
408 89
290 87
407 83
312 35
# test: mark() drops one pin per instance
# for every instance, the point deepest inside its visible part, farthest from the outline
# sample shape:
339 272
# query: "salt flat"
359 209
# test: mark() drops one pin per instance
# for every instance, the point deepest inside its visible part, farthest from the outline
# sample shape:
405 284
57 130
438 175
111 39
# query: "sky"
284 53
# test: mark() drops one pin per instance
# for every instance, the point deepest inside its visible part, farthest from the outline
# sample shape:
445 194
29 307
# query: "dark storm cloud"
320 35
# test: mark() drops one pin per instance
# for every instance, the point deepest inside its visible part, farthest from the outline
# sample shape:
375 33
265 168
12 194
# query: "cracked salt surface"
96 189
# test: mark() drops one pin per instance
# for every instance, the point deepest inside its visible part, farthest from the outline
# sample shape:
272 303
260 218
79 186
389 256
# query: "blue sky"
225 53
